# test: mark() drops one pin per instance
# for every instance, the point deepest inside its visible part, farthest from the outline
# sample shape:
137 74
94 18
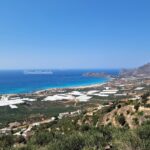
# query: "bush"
42 138
20 139
124 139
6 141
84 127
136 121
121 119
128 112
68 142
145 97
141 113
144 134
136 106
147 105
119 106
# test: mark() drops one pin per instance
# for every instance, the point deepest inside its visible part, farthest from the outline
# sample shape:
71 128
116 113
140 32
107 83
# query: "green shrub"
144 134
6 141
84 127
141 113
136 121
136 106
42 138
121 119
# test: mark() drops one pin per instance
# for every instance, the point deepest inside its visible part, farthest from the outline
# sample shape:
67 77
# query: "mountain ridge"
137 72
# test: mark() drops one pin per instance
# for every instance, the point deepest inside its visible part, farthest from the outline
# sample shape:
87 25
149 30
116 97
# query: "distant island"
99 75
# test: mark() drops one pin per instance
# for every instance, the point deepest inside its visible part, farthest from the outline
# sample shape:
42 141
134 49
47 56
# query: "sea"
16 82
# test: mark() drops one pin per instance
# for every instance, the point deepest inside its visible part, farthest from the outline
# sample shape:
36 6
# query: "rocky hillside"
141 71
119 125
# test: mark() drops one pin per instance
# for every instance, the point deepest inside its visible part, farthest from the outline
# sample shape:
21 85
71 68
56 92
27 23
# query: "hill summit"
143 71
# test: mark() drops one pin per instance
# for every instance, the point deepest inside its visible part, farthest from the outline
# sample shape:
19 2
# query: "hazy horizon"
81 34
22 69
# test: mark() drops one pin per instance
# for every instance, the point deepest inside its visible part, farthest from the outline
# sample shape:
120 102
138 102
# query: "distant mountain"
143 71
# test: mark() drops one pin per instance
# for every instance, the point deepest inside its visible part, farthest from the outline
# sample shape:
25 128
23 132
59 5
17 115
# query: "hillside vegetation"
123 125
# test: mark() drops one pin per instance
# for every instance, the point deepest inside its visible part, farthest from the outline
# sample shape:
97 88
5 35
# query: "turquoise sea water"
18 82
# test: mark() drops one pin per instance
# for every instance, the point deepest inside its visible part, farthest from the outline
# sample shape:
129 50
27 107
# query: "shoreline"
41 84
94 85
73 88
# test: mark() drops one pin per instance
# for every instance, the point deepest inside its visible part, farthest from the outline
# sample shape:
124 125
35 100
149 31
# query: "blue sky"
74 33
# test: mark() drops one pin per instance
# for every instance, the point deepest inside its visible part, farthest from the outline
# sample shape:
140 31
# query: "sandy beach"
73 88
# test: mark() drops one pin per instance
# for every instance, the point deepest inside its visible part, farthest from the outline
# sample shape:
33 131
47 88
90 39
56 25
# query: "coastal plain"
123 102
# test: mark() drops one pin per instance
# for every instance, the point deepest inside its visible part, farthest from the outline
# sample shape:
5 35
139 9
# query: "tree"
136 106
121 119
